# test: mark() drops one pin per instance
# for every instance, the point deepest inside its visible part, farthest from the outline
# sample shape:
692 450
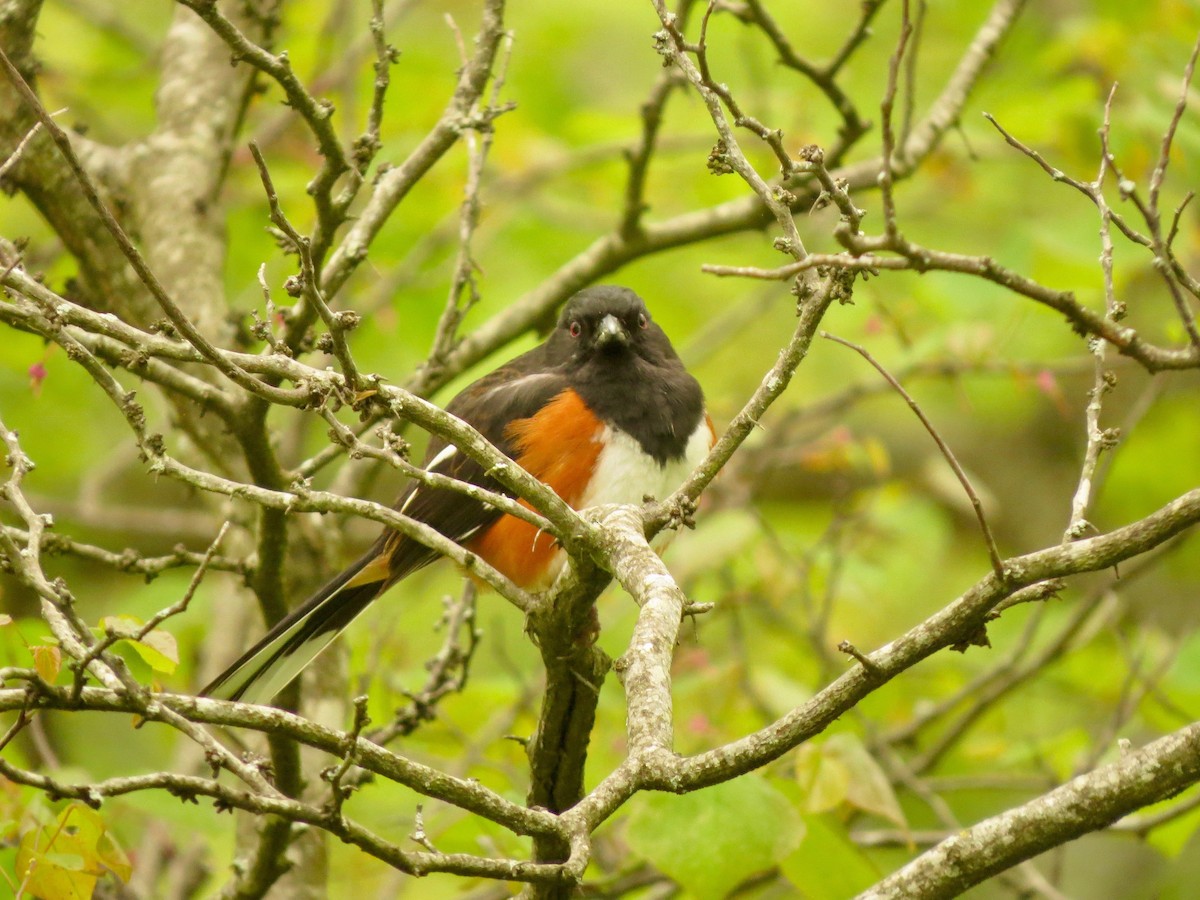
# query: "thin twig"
1088 189
910 72
338 323
181 322
464 793
640 155
57 601
386 55
773 384
179 606
917 258
993 553
862 31
825 79
15 156
394 185
73 634
317 114
478 138
129 560
448 669
335 775
1164 153
1103 381
727 155
888 137
189 787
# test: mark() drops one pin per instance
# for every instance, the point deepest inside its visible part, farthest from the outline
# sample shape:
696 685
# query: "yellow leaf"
47 661
59 859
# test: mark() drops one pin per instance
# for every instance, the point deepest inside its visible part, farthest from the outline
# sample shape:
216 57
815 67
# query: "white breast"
625 473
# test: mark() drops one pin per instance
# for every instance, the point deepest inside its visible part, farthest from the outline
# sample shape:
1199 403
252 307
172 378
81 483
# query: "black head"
609 321
624 368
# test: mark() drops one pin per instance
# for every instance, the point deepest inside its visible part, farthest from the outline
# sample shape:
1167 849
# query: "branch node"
873 671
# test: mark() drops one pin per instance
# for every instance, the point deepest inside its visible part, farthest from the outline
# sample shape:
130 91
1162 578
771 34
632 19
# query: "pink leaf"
37 374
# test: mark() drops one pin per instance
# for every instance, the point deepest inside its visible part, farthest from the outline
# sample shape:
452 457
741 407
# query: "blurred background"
839 520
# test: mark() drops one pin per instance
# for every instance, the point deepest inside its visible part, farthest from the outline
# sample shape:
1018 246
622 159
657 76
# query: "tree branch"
1087 803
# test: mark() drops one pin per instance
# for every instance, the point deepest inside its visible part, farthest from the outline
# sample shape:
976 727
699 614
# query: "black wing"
515 391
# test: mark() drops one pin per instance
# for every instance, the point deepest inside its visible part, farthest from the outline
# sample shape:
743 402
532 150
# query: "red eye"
643 321
575 329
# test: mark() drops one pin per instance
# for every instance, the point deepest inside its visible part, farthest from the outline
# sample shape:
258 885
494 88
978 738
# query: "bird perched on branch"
602 412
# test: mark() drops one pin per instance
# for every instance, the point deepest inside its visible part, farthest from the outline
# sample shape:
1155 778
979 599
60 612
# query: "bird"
602 412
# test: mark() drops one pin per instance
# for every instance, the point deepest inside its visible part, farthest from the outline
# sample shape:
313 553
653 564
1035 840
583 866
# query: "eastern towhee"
602 412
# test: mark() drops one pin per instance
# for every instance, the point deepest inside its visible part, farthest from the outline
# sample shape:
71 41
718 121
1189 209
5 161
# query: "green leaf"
869 788
44 879
159 650
125 626
112 856
711 840
824 779
70 862
65 857
840 771
827 865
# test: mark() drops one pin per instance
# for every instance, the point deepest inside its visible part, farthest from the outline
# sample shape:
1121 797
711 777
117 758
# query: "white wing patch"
522 382
444 455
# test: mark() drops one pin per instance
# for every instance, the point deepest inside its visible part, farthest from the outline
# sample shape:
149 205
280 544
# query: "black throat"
647 395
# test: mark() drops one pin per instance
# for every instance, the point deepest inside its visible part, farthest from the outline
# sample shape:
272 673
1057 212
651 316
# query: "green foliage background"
855 509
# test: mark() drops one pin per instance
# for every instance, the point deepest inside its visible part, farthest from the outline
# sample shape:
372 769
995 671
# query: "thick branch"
956 622
1087 803
464 793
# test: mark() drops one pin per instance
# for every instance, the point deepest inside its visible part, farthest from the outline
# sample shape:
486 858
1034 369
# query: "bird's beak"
611 332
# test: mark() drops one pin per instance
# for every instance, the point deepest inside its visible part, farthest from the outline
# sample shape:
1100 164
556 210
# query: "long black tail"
271 664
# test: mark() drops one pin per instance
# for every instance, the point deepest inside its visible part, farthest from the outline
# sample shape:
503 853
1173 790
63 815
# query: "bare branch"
1164 153
853 126
464 793
1087 803
189 787
338 323
393 186
812 310
317 114
148 278
997 564
609 252
478 138
728 156
129 560
885 118
955 622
